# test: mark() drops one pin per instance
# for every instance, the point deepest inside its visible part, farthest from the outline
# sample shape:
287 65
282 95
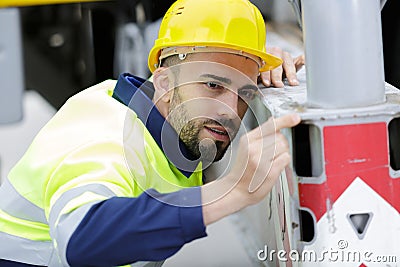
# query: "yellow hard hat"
236 25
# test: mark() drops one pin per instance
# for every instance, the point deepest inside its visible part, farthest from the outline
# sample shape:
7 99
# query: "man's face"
209 98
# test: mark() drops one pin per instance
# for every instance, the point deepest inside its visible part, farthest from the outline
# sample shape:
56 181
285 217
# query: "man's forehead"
239 62
209 53
225 72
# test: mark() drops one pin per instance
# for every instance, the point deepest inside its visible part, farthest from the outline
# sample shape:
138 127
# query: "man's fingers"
276 74
266 78
267 181
290 69
287 121
276 77
276 124
299 62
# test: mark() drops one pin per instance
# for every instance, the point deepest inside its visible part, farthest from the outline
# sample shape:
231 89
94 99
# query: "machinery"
11 57
338 203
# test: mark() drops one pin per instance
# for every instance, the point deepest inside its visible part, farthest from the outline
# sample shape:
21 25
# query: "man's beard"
205 151
188 130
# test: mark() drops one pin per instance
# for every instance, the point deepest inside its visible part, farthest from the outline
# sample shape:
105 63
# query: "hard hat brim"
270 61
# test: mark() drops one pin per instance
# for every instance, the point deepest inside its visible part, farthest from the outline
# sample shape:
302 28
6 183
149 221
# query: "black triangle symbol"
360 223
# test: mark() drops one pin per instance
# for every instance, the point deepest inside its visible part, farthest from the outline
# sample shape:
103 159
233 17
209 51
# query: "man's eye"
247 94
214 85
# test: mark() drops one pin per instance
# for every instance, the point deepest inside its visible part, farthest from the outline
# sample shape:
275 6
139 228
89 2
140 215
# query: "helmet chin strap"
183 51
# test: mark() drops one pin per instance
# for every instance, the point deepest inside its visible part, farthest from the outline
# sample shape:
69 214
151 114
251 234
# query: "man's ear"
161 82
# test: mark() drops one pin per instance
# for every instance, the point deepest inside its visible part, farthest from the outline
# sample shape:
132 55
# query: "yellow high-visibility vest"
94 148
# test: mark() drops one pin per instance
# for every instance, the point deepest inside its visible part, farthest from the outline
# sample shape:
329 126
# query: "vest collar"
136 93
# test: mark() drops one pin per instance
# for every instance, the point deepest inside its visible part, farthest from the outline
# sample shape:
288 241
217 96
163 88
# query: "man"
115 177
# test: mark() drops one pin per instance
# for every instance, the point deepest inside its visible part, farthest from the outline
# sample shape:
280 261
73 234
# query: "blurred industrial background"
71 46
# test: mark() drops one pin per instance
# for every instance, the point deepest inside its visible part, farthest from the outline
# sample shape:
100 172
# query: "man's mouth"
218 132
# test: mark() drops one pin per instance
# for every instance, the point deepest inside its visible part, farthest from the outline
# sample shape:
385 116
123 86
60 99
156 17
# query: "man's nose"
228 106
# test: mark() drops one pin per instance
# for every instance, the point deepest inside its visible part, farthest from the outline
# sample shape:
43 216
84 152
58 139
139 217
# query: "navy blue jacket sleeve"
121 230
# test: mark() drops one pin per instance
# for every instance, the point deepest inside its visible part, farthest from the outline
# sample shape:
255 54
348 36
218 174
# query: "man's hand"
263 153
288 69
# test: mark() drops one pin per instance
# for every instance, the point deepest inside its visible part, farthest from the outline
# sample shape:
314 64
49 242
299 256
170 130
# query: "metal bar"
343 48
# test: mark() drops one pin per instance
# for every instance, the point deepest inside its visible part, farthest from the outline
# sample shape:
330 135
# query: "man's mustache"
229 125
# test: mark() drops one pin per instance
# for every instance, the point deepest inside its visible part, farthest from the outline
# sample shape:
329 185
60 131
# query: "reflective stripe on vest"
66 218
16 205
24 250
66 226
65 198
